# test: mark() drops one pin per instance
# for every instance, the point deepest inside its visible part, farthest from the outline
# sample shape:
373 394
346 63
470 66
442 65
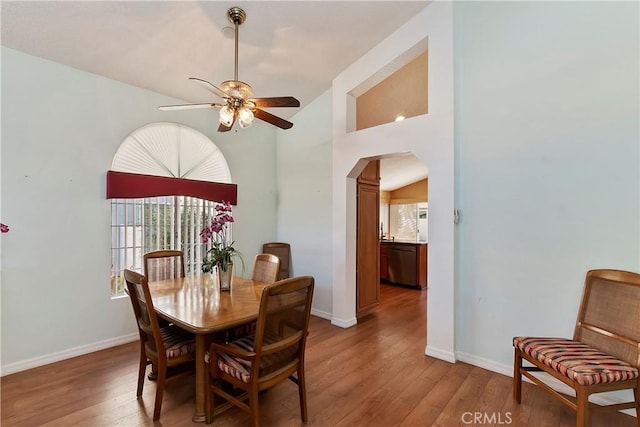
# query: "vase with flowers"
222 251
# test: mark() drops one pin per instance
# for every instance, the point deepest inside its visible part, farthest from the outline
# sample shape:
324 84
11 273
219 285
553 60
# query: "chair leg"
636 394
141 371
517 376
582 407
157 407
254 407
153 375
302 392
208 402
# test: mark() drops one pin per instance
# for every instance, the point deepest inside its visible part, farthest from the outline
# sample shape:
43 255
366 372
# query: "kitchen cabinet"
406 263
367 248
384 262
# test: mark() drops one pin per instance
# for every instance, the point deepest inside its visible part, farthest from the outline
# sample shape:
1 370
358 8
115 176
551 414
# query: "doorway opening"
391 231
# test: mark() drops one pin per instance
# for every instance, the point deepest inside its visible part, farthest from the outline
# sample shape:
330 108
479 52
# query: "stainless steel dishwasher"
402 264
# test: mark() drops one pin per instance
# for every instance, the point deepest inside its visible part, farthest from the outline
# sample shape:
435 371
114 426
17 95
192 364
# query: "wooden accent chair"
282 251
266 268
604 354
274 353
163 264
169 349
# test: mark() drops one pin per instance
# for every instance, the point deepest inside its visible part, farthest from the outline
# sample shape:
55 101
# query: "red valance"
124 185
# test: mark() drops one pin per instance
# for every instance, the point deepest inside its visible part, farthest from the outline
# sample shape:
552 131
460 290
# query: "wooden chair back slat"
147 319
282 251
266 268
163 265
609 316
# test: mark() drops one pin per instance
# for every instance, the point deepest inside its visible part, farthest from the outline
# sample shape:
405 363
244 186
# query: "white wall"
60 130
430 138
304 197
547 136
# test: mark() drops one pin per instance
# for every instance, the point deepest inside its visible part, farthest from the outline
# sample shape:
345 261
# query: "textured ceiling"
286 47
396 172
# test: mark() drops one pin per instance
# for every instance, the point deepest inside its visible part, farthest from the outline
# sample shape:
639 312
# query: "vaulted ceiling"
285 47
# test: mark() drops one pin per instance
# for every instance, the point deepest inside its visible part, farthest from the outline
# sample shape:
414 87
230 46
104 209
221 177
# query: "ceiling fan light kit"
226 116
239 104
245 117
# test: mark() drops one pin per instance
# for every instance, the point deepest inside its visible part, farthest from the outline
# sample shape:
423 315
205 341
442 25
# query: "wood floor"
374 374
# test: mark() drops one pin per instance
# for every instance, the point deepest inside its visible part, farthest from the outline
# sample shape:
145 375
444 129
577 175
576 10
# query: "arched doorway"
391 240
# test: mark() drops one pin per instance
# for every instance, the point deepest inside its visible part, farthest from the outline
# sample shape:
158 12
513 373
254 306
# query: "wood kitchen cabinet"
367 249
384 262
371 174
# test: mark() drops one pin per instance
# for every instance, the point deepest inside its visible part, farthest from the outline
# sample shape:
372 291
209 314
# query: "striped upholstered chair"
604 354
274 353
169 349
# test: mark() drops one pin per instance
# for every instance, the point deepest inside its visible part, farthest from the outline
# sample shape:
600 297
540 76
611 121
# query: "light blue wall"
304 196
548 163
60 130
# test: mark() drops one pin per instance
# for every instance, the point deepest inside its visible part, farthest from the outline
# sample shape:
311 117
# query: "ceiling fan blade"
270 118
188 106
223 128
278 101
210 87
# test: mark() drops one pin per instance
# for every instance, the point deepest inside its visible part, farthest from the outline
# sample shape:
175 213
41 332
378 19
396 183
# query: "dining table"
196 304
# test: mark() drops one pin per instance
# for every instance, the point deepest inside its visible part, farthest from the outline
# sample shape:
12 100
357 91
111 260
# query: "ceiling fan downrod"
236 16
239 103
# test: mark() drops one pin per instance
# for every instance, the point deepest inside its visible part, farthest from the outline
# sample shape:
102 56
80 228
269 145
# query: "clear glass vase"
224 277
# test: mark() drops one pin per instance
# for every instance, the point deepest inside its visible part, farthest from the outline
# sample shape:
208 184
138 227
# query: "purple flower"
4 228
216 232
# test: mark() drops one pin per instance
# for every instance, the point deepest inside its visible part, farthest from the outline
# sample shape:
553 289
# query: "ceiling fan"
239 103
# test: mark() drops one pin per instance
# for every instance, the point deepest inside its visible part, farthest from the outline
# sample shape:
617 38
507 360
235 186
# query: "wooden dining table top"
196 304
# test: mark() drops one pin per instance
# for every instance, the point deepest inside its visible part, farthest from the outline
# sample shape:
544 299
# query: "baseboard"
321 314
35 362
608 398
490 365
23 365
445 355
344 323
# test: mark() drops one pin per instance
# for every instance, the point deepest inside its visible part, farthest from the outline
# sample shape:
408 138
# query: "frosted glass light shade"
245 117
226 116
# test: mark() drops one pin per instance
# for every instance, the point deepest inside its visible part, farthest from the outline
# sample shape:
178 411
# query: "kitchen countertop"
402 242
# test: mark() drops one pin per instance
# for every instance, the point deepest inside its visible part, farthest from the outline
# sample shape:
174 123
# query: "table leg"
201 371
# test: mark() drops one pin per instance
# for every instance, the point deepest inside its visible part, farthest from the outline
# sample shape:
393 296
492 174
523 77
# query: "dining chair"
163 265
266 268
262 360
169 349
282 251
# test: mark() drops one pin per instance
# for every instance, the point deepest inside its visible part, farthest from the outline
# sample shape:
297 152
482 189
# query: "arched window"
164 182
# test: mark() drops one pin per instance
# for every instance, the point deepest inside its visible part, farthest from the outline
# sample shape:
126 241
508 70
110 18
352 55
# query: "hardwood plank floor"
374 374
